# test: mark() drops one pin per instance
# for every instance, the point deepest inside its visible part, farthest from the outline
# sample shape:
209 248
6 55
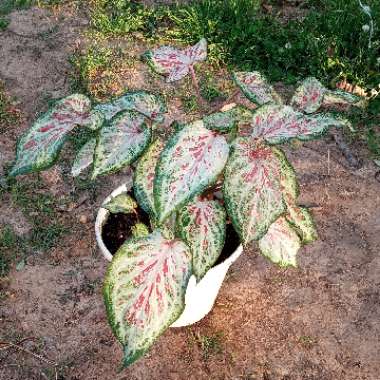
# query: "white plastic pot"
200 297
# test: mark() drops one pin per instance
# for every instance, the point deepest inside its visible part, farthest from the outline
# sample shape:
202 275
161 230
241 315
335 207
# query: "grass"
8 113
209 344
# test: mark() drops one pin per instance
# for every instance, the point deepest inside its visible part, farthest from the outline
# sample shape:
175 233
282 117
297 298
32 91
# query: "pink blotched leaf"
252 188
144 290
39 147
175 63
191 161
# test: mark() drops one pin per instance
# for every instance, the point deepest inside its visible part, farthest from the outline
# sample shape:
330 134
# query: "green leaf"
84 157
144 290
280 244
120 142
150 105
121 203
252 189
144 177
191 161
202 225
308 96
302 221
39 147
278 124
256 87
139 230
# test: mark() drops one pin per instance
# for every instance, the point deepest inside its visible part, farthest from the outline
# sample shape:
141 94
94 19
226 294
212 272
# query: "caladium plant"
225 169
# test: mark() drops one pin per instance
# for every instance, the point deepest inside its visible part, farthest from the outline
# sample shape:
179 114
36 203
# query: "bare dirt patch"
320 321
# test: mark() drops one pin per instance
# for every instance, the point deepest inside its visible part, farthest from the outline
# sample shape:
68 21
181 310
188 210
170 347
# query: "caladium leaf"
144 177
150 105
308 96
202 225
277 124
120 142
139 230
175 63
302 221
252 188
39 147
191 161
121 203
342 99
144 290
281 243
84 157
96 120
256 88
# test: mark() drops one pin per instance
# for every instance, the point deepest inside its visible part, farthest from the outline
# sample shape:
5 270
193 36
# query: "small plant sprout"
175 63
368 28
224 169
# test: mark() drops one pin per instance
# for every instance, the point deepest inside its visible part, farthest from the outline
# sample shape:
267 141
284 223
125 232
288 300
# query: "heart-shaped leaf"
202 225
121 203
121 141
281 243
308 96
39 147
84 157
302 221
278 124
150 105
175 63
191 161
144 177
252 189
144 290
338 99
256 87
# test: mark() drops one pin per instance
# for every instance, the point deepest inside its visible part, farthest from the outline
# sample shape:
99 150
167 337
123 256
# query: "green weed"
209 344
10 248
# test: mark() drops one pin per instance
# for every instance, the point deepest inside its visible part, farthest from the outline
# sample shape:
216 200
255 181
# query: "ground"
317 322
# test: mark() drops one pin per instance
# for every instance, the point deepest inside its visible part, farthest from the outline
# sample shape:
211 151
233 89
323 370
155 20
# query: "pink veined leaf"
39 147
144 290
278 124
175 63
144 177
252 188
202 225
308 96
256 87
191 161
281 243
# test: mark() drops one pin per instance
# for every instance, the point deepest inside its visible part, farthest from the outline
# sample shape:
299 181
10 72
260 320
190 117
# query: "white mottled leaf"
121 203
252 189
121 141
256 87
39 147
277 124
281 243
341 100
84 157
202 225
144 290
308 96
191 161
144 177
302 221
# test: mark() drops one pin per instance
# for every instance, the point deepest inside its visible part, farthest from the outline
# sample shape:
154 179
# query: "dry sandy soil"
319 322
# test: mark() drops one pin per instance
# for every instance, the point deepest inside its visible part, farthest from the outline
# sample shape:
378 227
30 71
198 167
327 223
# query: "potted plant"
218 180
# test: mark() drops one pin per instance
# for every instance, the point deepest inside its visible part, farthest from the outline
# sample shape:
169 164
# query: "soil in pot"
230 245
118 228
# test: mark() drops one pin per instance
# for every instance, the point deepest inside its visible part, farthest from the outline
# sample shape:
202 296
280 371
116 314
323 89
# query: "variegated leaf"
84 157
150 105
281 243
39 147
342 99
121 141
191 161
252 189
256 87
302 221
139 230
202 225
121 203
308 96
175 63
96 119
144 177
278 124
144 290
